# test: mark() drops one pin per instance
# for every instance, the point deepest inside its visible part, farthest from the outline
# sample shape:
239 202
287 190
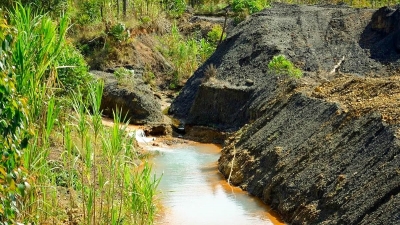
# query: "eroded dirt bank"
323 149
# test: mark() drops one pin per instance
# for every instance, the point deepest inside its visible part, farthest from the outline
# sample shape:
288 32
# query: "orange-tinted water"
194 192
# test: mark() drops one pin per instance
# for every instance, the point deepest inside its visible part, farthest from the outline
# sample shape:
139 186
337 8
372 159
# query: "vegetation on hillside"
282 66
59 164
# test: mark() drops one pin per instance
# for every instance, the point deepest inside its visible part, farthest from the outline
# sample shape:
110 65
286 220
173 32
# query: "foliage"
13 133
148 76
210 72
119 32
122 72
280 65
175 8
125 76
185 54
29 60
210 7
53 6
243 8
215 34
73 71
252 6
89 11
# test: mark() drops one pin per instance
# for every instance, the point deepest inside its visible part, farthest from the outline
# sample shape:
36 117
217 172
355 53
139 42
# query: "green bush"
280 65
215 34
13 132
175 8
252 6
89 12
72 70
119 32
185 54
243 8
122 72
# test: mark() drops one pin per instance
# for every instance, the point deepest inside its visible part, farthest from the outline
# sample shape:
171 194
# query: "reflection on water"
194 192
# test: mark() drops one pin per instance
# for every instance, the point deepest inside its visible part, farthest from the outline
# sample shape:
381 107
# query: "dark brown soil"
322 149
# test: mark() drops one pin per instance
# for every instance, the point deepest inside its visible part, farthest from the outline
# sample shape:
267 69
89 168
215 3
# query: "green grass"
186 54
280 65
58 158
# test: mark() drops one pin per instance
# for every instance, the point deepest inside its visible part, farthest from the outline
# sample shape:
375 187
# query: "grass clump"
186 54
243 8
214 36
280 65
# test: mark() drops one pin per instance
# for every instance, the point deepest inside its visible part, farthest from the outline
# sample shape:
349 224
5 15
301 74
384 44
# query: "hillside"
321 149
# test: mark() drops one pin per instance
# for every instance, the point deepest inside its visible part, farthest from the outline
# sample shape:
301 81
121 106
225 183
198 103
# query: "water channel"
194 192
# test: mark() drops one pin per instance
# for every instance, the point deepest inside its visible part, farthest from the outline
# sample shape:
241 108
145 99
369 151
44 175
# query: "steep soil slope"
316 39
323 149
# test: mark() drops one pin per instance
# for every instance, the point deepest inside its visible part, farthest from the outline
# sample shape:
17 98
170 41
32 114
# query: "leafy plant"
89 11
175 8
185 54
73 71
119 32
210 72
243 8
13 133
215 34
252 6
280 65
124 76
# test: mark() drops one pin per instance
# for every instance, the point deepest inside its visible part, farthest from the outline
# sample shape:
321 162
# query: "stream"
194 192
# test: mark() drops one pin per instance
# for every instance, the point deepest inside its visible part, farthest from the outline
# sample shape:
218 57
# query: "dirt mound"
363 95
139 54
322 41
322 149
134 99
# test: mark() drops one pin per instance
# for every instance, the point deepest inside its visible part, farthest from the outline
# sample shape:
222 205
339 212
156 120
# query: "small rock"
249 82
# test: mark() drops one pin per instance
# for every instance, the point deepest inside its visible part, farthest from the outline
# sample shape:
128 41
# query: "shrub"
72 70
119 32
243 8
185 55
125 77
13 136
122 72
280 65
215 34
175 8
252 6
90 12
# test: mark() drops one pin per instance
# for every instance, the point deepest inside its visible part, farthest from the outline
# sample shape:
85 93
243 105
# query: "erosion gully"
192 191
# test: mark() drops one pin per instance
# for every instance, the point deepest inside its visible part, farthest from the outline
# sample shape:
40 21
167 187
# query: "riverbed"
192 191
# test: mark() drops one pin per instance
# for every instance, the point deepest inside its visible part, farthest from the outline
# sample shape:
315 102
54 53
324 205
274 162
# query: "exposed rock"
249 82
158 129
205 134
136 102
140 54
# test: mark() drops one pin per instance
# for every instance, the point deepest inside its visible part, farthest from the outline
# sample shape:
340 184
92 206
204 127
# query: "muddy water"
194 192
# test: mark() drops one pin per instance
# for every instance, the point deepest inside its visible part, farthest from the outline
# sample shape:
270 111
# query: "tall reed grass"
73 169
